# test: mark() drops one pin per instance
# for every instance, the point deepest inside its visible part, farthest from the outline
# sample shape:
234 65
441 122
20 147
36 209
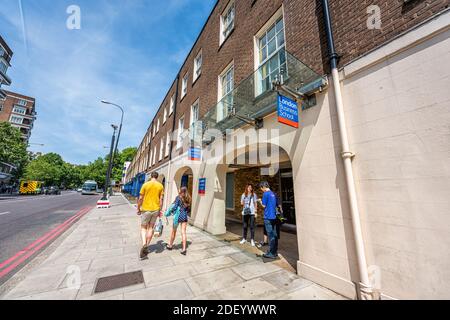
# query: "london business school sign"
287 111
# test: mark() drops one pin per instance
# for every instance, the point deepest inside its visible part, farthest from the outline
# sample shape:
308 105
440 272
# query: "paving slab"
177 290
107 242
213 281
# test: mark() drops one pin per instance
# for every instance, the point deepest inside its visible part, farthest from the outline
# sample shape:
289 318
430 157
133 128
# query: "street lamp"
120 128
108 172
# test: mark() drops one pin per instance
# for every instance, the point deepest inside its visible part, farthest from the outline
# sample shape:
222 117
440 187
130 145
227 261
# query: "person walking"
149 209
181 209
269 203
249 201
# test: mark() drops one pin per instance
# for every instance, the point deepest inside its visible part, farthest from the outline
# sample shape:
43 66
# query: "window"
165 115
16 120
227 22
168 144
22 103
180 132
2 51
198 65
157 125
195 112
271 56
226 87
161 149
3 67
151 158
19 110
154 131
154 156
184 85
172 104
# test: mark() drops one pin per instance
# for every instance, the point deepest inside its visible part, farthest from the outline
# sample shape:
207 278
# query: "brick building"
394 94
19 110
5 59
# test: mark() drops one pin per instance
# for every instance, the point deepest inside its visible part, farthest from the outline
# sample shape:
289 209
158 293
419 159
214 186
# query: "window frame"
195 104
165 115
17 107
258 63
198 69
17 117
184 85
168 144
230 7
221 96
172 104
180 131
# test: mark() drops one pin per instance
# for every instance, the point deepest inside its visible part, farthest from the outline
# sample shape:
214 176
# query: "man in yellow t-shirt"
149 208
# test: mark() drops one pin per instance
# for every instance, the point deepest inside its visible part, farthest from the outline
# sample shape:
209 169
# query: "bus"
89 188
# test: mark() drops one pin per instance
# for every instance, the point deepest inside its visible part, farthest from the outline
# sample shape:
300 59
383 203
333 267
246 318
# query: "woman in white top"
249 213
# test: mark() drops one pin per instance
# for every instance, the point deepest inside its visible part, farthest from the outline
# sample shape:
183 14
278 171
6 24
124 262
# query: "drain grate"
118 281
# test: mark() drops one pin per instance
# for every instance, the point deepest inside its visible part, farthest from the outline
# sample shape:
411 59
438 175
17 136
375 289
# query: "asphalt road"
29 224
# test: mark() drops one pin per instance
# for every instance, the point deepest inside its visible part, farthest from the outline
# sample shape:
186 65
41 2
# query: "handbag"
248 210
159 227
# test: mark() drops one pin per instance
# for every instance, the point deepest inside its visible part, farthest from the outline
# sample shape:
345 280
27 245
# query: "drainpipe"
366 290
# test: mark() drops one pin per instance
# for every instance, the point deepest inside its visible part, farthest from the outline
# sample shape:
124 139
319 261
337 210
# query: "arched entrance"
278 172
184 177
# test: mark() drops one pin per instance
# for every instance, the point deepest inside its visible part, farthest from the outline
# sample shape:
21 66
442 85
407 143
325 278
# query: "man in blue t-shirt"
269 203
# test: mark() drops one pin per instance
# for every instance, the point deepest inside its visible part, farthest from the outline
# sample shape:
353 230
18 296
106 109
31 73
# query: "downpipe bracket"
348 155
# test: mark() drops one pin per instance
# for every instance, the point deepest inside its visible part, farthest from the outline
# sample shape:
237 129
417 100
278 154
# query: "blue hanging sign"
195 154
288 111
202 186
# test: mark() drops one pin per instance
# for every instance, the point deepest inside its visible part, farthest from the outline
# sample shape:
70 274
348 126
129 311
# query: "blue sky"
127 51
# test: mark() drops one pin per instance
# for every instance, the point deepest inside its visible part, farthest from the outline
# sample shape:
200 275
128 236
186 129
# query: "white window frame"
16 117
198 63
172 104
184 85
221 114
192 120
161 149
168 142
22 102
180 132
165 115
19 110
225 30
158 125
154 156
262 32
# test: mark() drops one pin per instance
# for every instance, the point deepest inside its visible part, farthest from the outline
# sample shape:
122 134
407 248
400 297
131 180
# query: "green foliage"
53 170
12 148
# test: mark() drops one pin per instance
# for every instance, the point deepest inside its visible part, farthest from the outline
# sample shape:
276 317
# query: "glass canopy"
255 97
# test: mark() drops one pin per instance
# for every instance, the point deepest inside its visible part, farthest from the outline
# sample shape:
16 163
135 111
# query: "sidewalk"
106 242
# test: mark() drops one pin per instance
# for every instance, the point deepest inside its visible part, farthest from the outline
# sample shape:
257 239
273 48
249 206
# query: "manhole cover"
118 281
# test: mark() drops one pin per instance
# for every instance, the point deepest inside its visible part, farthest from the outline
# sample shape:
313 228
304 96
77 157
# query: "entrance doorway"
282 184
185 178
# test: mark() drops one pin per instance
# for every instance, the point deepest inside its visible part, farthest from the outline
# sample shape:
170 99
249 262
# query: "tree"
48 168
13 149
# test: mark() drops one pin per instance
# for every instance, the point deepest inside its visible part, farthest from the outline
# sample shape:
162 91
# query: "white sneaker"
253 243
243 241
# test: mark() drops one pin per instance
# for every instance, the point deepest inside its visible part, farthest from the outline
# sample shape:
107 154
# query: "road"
29 224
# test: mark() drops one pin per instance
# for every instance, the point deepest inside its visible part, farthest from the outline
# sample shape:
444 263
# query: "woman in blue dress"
183 203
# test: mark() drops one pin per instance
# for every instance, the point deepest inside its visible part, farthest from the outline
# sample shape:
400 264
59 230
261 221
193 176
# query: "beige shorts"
149 217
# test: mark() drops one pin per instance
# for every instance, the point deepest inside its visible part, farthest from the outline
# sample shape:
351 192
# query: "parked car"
53 190
80 190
